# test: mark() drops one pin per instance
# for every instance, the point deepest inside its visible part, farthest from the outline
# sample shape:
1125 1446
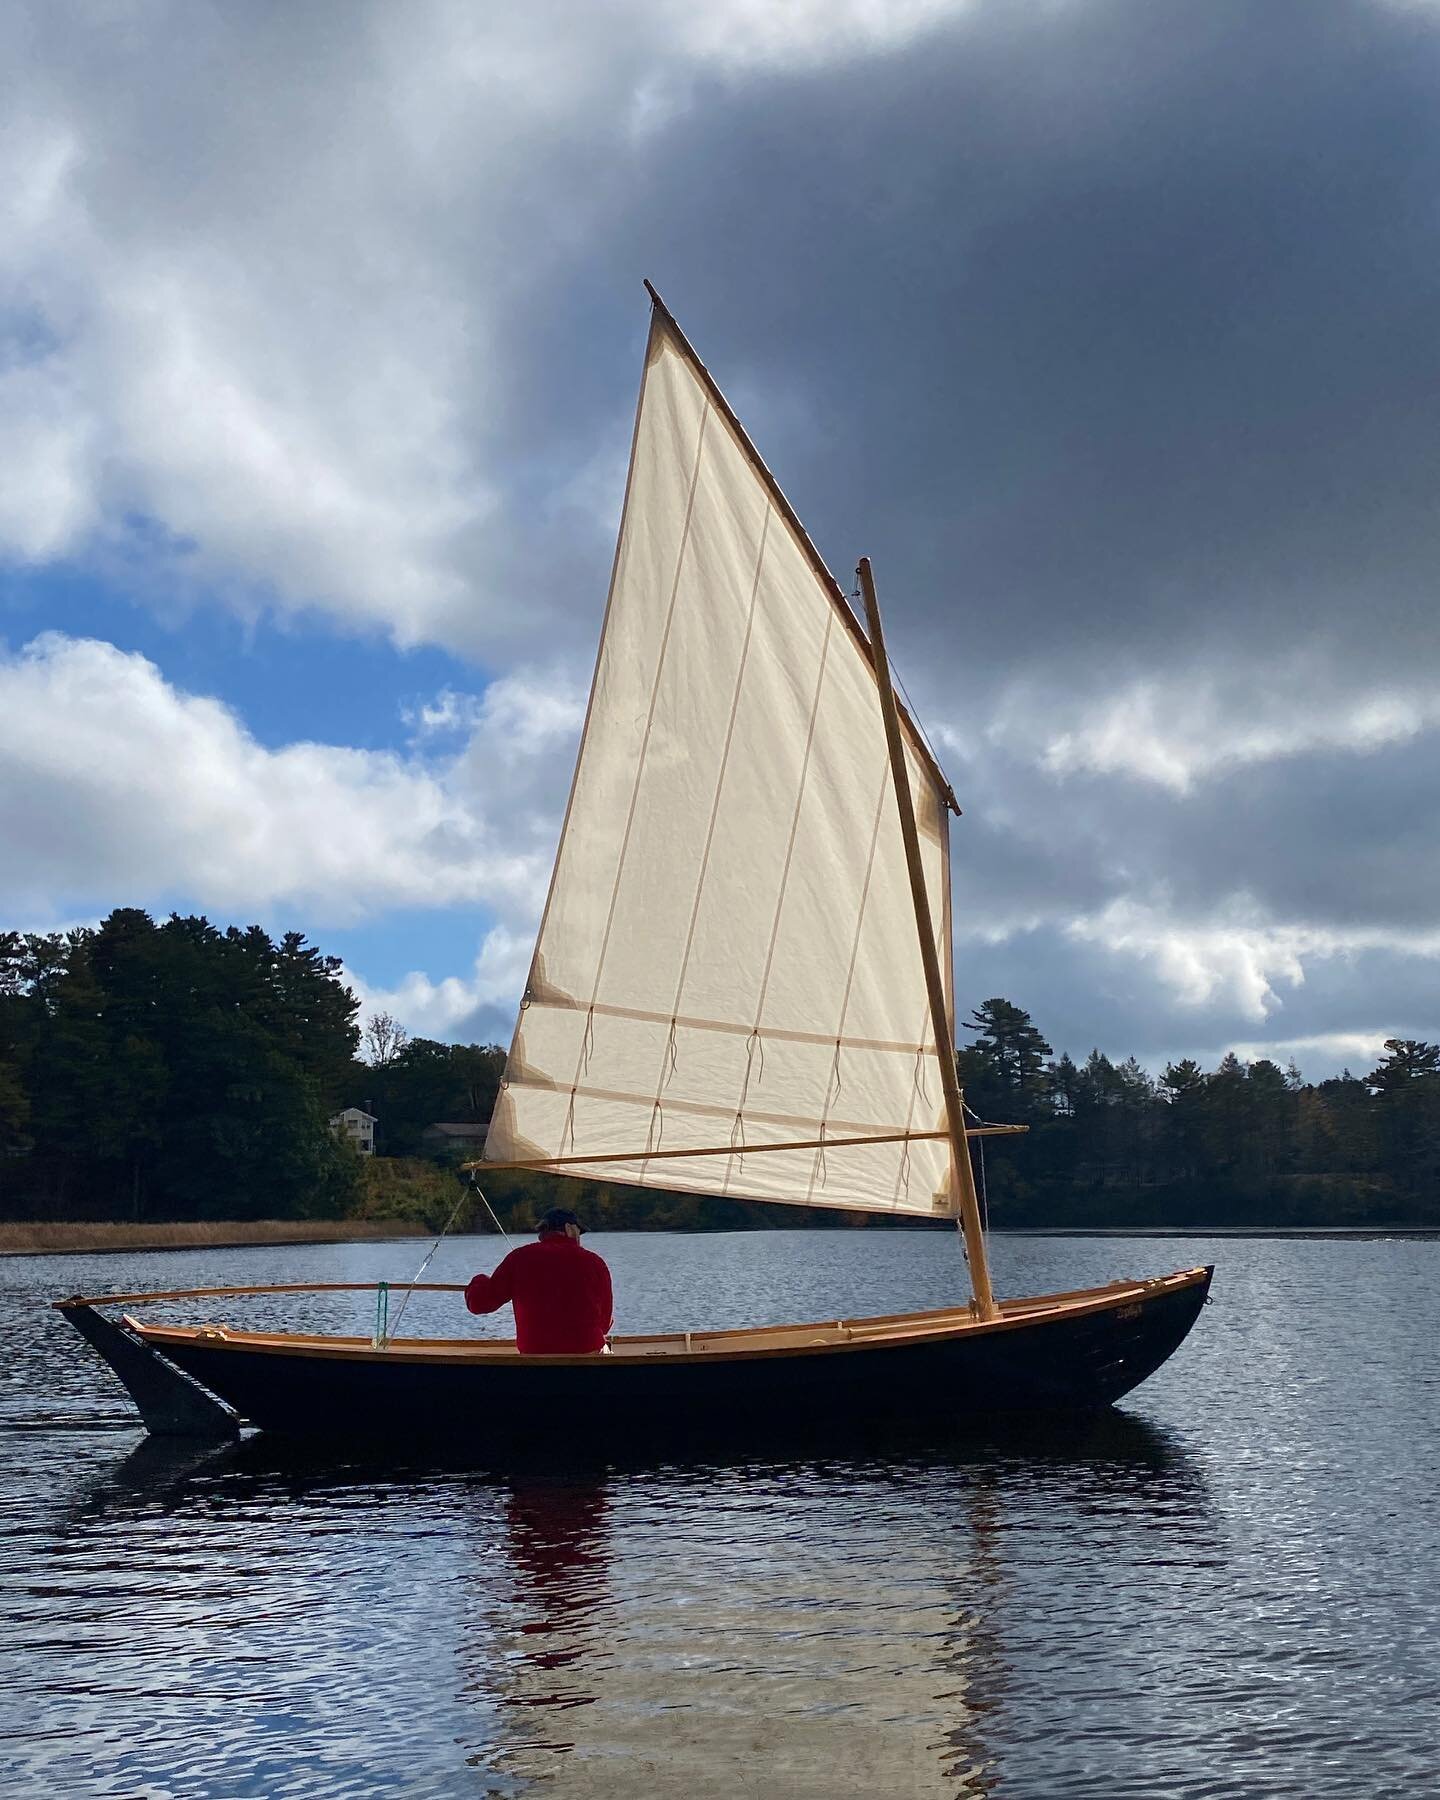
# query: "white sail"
729 955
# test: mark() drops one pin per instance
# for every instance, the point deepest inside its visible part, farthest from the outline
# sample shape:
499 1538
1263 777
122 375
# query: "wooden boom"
740 1150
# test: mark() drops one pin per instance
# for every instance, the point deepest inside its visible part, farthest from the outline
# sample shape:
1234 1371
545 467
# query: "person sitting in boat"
560 1291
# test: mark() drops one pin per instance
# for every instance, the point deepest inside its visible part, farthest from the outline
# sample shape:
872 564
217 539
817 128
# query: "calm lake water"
1229 1587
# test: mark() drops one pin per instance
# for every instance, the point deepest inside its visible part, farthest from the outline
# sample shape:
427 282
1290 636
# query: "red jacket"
561 1294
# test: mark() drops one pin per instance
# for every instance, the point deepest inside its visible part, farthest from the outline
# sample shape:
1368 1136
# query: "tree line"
1240 1144
179 1070
172 1071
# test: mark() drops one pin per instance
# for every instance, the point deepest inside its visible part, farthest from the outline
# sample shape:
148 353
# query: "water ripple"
1226 1591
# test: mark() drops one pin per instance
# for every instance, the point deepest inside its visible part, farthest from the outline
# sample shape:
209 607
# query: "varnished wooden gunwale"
249 1292
746 1344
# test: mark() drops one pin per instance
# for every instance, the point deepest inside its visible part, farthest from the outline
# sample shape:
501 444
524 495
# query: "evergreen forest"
181 1070
1243 1144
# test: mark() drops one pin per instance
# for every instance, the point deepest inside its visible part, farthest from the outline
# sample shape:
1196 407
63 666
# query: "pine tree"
1007 1061
1182 1089
1408 1059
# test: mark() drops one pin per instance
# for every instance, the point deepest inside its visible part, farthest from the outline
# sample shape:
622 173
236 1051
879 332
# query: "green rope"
382 1315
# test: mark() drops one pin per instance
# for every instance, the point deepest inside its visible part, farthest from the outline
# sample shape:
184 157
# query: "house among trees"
357 1128
438 1138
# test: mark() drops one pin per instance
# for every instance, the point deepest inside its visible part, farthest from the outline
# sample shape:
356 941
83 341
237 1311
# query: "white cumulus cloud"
254 265
1176 730
115 783
1233 957
440 1009
1355 1050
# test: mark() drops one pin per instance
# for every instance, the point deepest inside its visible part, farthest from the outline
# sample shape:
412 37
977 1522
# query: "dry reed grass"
211 1234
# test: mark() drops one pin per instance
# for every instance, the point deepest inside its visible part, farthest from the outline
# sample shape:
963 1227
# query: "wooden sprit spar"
742 985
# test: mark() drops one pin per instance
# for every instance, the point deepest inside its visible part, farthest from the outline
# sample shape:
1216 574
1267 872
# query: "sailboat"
742 985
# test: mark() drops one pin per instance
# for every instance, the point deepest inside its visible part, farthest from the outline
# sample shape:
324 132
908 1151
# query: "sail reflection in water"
872 1616
828 1625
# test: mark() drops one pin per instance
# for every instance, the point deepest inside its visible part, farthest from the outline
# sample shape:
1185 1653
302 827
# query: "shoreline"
1216 1231
108 1239
111 1239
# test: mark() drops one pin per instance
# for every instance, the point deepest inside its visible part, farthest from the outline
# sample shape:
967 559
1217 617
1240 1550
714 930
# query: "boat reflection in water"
859 1614
835 1622
842 1622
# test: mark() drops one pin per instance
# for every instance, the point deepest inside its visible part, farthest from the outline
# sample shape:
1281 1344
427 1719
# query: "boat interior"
746 1341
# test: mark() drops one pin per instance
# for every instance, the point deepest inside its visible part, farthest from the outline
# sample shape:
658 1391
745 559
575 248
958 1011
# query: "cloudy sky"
1109 329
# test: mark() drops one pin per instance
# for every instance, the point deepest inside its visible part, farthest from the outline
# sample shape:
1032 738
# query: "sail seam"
902 1179
834 1081
719 784
794 821
786 866
544 1000
650 716
655 1152
703 1109
679 1183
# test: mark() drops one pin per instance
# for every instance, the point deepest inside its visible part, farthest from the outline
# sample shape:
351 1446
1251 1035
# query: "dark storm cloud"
1332 840
1110 331
1111 322
1124 315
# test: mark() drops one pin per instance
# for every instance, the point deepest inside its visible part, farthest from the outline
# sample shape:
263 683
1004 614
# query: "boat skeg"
170 1402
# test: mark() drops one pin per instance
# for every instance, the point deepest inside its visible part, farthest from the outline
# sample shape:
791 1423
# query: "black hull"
1057 1362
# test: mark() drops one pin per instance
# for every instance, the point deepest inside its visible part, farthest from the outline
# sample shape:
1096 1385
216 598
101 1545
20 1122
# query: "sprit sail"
728 956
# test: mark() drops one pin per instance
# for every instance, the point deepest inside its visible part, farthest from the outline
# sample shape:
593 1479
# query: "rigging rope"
984 1196
383 1336
856 602
490 1209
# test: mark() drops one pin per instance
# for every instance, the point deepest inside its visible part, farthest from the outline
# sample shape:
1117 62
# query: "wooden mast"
939 1018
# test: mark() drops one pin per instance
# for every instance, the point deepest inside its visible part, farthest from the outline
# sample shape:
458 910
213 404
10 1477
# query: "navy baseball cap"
557 1219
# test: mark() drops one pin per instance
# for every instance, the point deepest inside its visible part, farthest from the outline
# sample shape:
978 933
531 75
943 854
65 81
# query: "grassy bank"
210 1234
